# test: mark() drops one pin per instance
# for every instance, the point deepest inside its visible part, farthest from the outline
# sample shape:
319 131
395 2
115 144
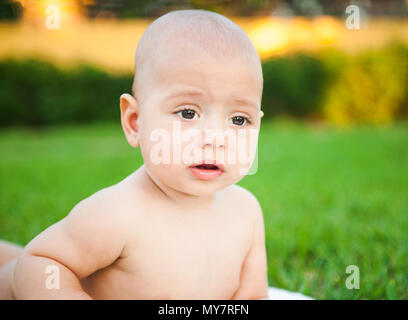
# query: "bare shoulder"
100 201
244 200
106 206
92 236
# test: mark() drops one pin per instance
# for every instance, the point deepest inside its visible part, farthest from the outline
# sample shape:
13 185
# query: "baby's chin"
203 189
188 184
196 187
184 179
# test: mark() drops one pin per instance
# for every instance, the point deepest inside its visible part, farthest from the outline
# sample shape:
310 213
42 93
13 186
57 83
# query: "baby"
178 227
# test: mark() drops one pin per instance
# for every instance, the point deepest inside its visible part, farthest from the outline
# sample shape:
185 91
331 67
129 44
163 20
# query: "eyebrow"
198 94
245 102
186 93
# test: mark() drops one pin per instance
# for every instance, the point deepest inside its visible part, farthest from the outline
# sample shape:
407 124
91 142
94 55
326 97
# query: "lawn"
330 197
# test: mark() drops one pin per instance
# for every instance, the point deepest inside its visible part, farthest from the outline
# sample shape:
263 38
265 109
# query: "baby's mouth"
207 166
207 171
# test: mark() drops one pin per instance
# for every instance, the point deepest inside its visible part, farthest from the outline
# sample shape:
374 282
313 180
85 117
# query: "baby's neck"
178 198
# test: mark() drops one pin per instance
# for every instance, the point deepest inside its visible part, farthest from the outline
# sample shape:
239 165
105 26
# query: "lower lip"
204 174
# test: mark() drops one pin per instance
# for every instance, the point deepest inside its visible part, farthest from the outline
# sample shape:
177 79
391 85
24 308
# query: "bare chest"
179 259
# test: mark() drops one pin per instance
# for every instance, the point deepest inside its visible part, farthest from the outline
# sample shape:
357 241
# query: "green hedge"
38 93
294 85
371 87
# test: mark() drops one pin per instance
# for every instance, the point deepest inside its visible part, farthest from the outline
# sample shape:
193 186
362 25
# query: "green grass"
331 198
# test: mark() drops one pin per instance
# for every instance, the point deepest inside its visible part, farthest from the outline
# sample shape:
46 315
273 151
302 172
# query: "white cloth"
281 294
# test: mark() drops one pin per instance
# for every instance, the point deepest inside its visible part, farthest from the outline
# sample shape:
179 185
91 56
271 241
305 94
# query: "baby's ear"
129 110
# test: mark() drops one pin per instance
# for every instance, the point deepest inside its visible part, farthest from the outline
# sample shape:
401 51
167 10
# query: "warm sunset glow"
275 35
326 29
111 43
301 32
35 12
270 36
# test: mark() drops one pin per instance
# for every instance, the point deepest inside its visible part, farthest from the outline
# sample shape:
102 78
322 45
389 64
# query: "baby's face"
190 95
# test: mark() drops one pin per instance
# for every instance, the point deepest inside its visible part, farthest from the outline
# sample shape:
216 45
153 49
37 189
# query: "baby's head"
196 74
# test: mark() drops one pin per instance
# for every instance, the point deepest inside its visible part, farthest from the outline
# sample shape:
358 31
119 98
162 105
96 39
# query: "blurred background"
333 151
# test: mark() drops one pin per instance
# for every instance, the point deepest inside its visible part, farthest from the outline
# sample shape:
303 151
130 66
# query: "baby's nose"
211 143
213 138
213 135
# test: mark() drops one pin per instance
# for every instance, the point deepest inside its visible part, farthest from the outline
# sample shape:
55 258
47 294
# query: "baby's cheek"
234 173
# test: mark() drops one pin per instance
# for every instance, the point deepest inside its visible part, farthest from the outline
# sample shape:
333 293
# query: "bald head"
208 32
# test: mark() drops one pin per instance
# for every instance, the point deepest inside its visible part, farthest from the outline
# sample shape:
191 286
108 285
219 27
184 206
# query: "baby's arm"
254 279
88 239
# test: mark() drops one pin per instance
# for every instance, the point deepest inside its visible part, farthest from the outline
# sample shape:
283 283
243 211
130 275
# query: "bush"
370 88
293 85
37 93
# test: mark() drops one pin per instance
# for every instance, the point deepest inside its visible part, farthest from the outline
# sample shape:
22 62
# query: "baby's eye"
239 120
187 114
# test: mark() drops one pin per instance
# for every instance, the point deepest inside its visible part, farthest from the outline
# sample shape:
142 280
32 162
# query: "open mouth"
207 171
207 167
